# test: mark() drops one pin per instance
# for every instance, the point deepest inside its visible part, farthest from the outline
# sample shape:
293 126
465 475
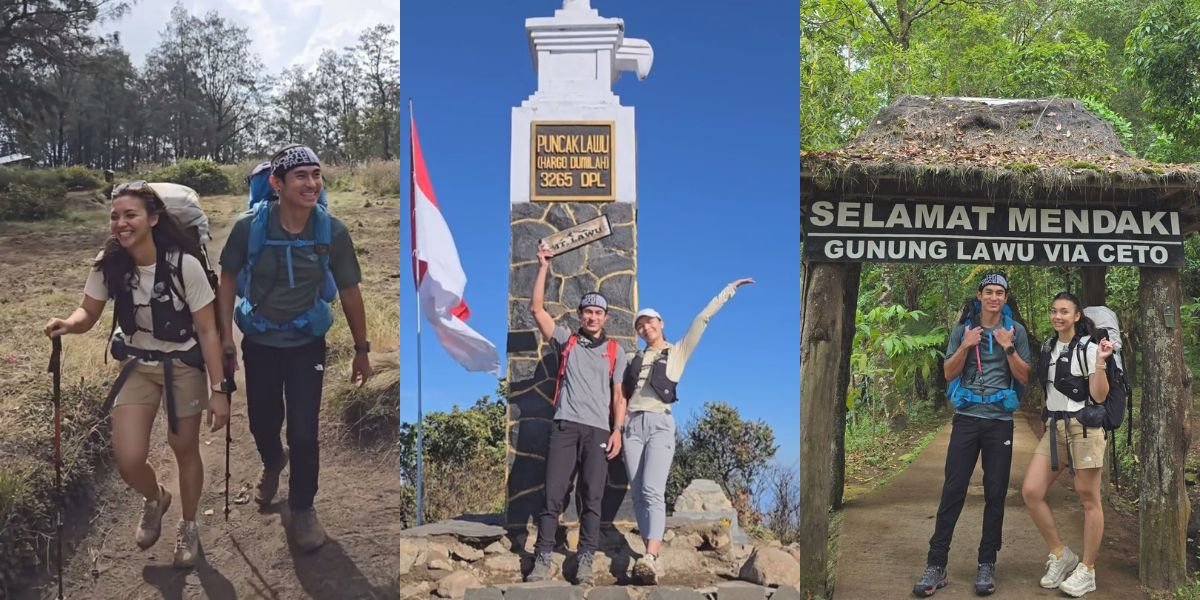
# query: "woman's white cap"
647 312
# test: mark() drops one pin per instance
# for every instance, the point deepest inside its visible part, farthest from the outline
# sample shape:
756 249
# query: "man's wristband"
362 348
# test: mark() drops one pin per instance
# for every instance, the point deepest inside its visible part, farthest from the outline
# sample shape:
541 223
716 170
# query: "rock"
703 495
490 593
584 211
613 592
603 260
674 593
527 210
635 543
496 548
456 585
618 289
543 590
771 567
740 590
718 540
559 217
413 591
690 541
794 550
786 592
682 560
575 287
503 563
440 564
468 531
740 552
668 535
465 552
413 551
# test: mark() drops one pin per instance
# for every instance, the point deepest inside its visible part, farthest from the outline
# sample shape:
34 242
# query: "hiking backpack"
958 393
1109 415
610 352
319 317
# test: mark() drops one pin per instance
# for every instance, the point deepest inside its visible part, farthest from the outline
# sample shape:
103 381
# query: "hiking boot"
543 567
646 569
583 572
307 530
150 526
1057 568
187 544
985 579
1081 581
268 482
932 580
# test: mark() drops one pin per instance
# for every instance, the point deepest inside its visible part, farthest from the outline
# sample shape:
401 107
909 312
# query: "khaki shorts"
1086 453
145 386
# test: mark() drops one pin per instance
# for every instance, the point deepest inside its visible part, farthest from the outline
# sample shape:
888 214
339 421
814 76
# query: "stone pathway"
557 590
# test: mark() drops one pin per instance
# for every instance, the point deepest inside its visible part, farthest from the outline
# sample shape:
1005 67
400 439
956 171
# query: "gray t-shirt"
586 393
269 284
995 375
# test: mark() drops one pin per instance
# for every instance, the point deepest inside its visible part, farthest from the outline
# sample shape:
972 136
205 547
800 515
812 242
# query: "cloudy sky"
285 32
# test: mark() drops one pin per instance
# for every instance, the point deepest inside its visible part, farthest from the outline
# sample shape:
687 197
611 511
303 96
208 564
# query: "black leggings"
286 382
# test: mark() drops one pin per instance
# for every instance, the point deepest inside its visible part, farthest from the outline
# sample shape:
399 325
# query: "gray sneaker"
583 574
543 567
985 579
150 527
932 580
268 482
307 529
187 544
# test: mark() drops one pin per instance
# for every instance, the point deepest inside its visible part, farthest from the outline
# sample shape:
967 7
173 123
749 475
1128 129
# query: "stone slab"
462 529
740 590
674 594
611 592
484 594
786 592
544 590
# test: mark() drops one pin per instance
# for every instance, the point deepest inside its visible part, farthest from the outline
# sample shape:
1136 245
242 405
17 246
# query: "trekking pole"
231 387
56 369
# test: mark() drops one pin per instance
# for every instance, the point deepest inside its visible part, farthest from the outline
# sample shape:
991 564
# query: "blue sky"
718 186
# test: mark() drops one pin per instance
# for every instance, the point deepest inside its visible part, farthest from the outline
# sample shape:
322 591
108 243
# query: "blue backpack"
959 394
319 317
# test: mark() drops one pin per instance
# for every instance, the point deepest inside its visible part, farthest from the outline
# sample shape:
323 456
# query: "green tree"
1163 53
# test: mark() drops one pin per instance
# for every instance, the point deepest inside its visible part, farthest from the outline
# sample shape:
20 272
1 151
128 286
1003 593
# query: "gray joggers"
649 448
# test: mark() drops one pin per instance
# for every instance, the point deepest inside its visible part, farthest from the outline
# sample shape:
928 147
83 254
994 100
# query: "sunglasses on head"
139 187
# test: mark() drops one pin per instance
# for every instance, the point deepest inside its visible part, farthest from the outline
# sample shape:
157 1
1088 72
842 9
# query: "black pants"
287 382
582 449
970 437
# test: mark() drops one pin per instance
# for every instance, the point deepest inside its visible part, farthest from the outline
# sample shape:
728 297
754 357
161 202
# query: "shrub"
22 202
204 176
79 178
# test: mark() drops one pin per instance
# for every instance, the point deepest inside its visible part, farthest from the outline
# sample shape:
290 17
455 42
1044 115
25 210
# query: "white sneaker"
1058 568
187 544
647 569
1080 582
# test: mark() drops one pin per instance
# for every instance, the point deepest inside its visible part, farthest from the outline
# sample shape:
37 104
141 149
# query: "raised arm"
683 350
544 321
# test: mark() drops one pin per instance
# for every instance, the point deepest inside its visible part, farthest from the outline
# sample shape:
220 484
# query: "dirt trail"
885 534
358 503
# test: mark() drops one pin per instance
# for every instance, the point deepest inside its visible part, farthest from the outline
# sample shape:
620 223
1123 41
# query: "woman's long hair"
117 265
1084 326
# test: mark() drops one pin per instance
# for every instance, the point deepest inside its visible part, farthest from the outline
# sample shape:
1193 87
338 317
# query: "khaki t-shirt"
194 286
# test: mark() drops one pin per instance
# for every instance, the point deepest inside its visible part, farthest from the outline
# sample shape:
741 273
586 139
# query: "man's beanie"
994 279
593 299
291 157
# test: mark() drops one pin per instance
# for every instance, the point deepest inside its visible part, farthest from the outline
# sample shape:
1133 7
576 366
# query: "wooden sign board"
578 236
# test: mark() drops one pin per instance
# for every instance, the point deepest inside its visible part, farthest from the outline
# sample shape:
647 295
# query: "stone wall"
608 266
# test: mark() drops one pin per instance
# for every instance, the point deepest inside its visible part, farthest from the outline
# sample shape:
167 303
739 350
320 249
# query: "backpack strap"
562 366
611 353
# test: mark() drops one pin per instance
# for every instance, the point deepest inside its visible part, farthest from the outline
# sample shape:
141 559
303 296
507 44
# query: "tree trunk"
1165 508
1095 293
849 311
823 354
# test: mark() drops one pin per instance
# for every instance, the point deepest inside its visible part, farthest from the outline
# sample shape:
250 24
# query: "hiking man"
987 355
589 420
284 261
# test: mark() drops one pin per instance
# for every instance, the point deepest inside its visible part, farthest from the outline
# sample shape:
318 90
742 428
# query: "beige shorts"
1086 452
145 386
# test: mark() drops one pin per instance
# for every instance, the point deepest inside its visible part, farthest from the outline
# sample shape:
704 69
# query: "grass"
875 453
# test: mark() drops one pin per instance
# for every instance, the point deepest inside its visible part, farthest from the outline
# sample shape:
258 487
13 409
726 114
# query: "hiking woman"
167 341
649 432
1073 369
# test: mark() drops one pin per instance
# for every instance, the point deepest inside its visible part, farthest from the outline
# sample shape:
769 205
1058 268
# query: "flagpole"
420 418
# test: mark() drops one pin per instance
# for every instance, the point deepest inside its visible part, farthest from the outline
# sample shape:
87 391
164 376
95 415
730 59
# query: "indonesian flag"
439 275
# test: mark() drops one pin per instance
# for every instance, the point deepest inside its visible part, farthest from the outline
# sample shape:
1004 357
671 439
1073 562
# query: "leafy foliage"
1162 53
204 176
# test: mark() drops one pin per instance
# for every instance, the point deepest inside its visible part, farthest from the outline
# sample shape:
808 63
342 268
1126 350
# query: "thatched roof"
1040 151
